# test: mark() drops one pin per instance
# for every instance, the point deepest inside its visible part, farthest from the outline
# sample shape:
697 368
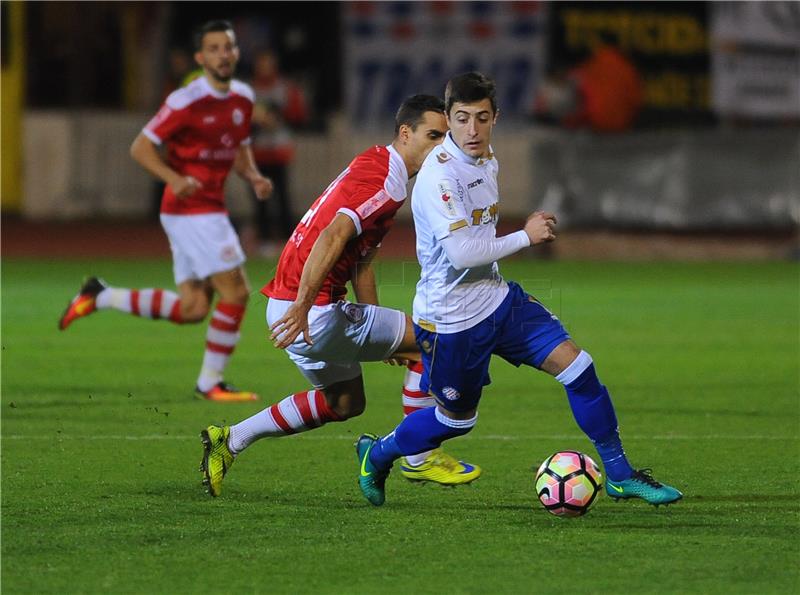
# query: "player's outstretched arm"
326 252
464 251
145 153
245 166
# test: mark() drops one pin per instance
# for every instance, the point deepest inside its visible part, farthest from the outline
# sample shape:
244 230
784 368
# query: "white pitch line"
491 437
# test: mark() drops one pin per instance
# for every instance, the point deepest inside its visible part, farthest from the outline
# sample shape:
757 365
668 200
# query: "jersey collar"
451 147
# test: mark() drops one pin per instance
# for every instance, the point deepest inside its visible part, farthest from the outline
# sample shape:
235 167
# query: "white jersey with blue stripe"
455 193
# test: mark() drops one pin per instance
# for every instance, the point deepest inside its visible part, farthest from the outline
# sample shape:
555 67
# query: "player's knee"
238 295
193 312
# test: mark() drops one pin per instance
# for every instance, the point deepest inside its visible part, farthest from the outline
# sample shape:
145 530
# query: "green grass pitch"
101 492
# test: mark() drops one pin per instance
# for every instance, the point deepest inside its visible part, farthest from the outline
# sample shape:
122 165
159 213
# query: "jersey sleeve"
365 209
441 197
165 124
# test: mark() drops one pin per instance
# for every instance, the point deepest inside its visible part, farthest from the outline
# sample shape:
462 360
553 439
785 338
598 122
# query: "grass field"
101 493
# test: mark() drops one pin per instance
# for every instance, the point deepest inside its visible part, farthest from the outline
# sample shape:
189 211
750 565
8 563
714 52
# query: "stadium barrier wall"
77 166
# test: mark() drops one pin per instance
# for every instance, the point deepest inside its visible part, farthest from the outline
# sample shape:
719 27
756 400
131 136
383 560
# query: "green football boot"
642 485
370 480
217 457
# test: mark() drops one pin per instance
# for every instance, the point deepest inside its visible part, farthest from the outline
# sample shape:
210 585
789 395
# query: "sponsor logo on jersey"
486 215
209 119
371 205
226 140
451 394
477 182
237 116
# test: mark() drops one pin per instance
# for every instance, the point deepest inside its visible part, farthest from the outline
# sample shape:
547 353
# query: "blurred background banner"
396 49
651 117
756 59
666 41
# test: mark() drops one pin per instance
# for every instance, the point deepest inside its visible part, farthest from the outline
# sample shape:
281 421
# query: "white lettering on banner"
393 50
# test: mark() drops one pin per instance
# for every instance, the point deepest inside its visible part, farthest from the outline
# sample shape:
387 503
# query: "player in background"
324 335
464 311
206 127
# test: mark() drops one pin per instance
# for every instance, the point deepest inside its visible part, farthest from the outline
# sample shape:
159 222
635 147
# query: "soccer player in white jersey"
326 336
464 311
206 127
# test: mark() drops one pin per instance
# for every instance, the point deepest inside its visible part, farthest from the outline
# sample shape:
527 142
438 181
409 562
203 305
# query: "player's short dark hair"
469 88
210 27
412 111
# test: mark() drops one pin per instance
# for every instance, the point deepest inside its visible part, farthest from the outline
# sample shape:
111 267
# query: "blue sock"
422 430
592 408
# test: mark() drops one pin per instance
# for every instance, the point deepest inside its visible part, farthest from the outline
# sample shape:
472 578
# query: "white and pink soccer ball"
567 483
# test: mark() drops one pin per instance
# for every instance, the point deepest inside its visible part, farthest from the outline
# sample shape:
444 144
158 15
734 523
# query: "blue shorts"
521 331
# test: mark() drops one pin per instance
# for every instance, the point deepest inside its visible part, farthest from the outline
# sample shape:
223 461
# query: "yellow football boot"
441 468
217 457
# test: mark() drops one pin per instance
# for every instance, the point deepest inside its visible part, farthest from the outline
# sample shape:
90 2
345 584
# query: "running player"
325 335
206 127
464 311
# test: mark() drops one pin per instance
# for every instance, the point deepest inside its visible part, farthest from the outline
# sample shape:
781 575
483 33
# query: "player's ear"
198 57
496 114
404 133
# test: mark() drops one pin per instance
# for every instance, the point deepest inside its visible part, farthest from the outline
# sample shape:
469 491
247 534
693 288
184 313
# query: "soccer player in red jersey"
206 127
325 335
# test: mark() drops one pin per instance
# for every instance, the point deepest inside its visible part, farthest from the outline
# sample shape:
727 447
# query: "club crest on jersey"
451 394
229 254
237 116
426 346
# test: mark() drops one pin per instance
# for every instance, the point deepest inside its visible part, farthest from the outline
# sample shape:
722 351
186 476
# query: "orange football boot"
226 393
82 304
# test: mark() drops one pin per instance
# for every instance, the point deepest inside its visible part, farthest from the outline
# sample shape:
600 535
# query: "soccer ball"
567 483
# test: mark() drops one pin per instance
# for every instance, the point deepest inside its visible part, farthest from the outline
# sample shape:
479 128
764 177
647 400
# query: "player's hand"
540 226
262 187
185 186
289 326
397 361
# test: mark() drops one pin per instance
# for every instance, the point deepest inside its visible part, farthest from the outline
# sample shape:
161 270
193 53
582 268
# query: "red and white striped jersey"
203 129
369 191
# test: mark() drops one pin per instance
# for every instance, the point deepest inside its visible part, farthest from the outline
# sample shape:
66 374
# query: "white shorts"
344 334
202 245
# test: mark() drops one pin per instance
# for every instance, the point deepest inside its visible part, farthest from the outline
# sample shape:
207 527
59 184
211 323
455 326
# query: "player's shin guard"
421 431
591 405
296 413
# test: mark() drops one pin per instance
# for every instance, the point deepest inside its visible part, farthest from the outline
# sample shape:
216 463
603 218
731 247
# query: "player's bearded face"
219 55
471 126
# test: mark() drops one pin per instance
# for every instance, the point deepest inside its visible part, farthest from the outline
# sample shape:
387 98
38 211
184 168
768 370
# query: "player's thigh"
232 285
456 365
345 332
530 332
202 245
